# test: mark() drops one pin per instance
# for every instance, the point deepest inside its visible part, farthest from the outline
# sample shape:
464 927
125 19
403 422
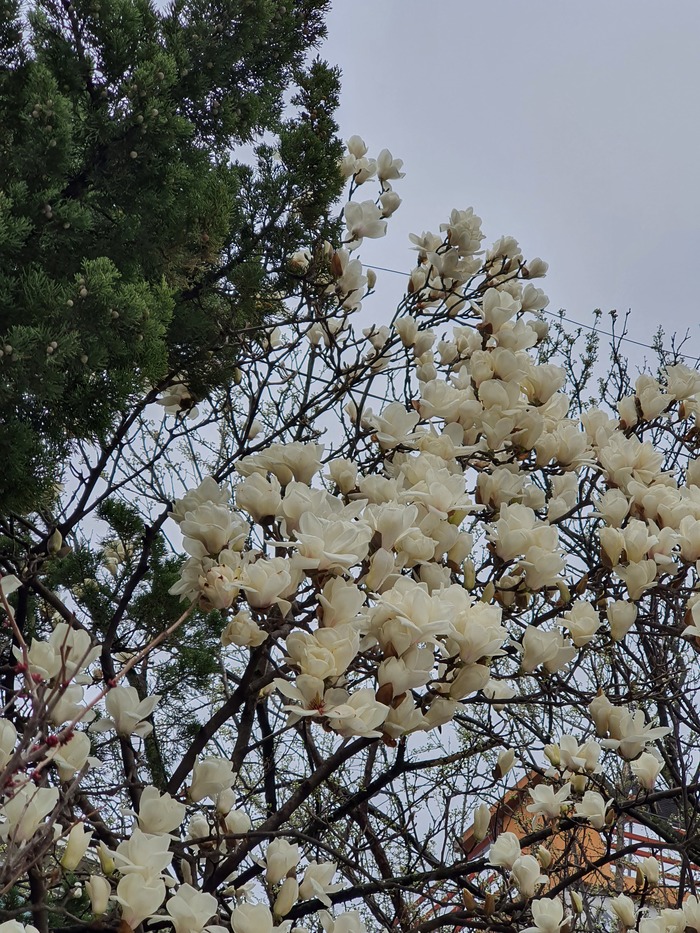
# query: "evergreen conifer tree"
156 169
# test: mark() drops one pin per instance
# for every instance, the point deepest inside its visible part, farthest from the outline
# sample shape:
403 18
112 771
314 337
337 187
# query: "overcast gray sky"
573 126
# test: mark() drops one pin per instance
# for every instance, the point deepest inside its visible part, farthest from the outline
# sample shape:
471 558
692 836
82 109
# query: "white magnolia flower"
363 219
404 719
682 382
127 712
649 870
621 615
159 813
99 890
341 601
209 777
317 882
349 281
143 855
287 897
624 909
280 858
548 915
527 876
626 732
356 714
243 631
219 584
326 653
210 528
583 622
191 909
593 808
208 491
547 802
356 146
343 473
647 768
237 822
413 669
390 202
332 545
482 821
505 850
72 756
259 496
267 583
349 922
546 648
506 760
388 168
140 898
255 918
294 461
64 654
8 738
463 233
67 706
691 912
25 811
76 846
574 757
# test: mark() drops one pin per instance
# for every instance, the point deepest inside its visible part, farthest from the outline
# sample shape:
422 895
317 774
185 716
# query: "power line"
595 330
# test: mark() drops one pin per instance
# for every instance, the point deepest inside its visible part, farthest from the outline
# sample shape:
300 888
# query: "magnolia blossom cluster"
352 550
387 556
428 574
418 569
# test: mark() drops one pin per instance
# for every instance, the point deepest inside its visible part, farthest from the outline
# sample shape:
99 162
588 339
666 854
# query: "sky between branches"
571 126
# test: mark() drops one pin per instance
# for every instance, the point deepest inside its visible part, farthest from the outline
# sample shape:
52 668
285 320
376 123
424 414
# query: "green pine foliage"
152 183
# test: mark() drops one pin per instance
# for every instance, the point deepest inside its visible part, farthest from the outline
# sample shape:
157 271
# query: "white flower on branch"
24 810
349 922
548 914
547 802
280 858
208 492
330 545
209 777
159 813
99 890
256 918
65 654
8 738
76 847
210 528
243 631
73 755
505 850
127 712
139 898
362 219
294 461
593 808
526 874
191 909
355 714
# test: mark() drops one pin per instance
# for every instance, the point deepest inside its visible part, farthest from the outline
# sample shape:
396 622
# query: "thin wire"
595 330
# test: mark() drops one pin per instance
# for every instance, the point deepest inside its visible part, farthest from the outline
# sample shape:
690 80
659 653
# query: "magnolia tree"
274 656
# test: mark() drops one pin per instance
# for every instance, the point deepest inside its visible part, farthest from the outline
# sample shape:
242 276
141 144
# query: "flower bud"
55 542
98 889
76 847
287 897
